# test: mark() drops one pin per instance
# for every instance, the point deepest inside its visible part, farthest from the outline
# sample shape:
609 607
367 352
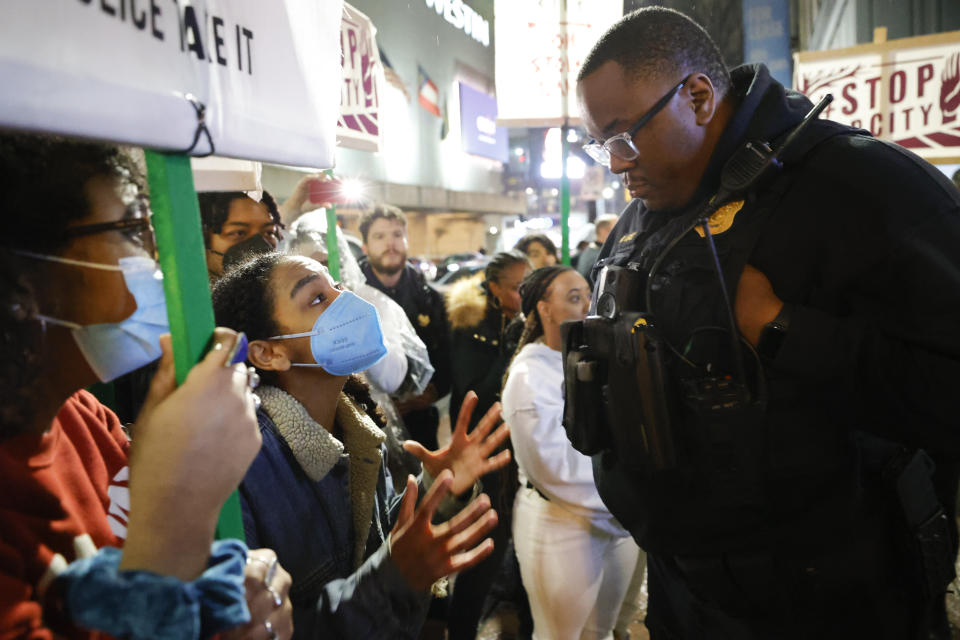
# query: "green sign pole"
333 249
176 221
565 198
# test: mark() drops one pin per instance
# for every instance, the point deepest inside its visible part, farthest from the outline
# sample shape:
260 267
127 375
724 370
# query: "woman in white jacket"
576 561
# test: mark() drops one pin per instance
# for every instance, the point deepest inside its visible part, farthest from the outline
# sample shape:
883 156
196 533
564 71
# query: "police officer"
795 517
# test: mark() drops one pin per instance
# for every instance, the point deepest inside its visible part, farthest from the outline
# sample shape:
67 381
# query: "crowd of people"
805 343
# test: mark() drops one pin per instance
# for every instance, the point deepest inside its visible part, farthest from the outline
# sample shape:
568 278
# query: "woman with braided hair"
576 561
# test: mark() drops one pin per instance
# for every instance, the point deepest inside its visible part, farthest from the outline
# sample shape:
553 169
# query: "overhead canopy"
268 74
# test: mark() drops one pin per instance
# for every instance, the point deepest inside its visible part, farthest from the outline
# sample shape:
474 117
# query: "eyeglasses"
621 145
135 226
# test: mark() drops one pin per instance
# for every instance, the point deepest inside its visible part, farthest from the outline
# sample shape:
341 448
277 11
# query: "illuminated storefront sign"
464 18
478 125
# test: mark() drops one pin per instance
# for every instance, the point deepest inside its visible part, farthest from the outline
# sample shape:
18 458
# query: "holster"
925 533
616 388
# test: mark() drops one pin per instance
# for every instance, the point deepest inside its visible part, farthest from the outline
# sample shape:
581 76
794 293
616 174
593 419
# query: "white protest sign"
906 91
541 45
267 73
359 123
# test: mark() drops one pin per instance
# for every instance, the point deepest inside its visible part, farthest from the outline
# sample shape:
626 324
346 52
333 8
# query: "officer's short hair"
654 41
385 211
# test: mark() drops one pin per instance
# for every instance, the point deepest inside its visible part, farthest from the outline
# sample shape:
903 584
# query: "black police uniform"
426 311
862 239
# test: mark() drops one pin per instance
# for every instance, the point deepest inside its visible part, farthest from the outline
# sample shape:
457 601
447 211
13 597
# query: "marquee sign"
906 91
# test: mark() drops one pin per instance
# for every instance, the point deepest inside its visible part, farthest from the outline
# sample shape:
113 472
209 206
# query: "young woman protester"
480 310
363 558
576 561
82 301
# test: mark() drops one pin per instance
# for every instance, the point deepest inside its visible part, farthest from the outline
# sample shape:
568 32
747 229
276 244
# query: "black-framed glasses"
621 145
136 227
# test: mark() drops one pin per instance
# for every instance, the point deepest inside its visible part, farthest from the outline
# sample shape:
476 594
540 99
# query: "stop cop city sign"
359 124
266 73
906 91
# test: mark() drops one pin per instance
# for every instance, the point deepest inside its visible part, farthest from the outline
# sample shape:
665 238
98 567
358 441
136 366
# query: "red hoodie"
63 495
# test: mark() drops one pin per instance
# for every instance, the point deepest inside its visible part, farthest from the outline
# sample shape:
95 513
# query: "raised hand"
950 88
424 552
299 200
191 448
468 456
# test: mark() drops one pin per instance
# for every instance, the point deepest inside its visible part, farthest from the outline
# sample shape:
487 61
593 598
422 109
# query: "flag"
392 77
429 95
444 122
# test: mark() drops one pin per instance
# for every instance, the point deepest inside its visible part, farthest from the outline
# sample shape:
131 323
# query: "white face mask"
113 349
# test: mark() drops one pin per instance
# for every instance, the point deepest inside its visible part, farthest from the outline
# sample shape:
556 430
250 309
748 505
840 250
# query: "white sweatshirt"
533 408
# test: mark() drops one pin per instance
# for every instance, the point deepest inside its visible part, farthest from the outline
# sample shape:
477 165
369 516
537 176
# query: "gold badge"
423 319
722 218
628 237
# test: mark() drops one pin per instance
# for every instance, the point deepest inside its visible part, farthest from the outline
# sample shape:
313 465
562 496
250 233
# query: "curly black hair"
243 300
215 209
655 41
43 180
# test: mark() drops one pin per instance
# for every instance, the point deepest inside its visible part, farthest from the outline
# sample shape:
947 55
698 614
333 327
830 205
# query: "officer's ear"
704 99
268 356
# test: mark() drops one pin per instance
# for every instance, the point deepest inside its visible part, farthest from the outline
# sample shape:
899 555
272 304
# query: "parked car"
458 259
458 271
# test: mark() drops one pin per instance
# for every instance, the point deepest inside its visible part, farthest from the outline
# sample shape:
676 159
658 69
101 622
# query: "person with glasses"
106 530
815 499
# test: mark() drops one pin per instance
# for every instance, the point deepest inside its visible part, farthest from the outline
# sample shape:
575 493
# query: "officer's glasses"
621 145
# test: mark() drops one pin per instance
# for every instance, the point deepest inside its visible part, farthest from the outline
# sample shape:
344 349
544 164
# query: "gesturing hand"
175 489
425 552
468 456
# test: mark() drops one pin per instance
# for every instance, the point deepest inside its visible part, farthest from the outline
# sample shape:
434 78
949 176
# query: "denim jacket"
308 506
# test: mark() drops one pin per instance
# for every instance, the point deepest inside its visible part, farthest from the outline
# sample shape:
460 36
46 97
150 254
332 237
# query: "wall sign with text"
359 124
479 132
907 91
463 18
266 73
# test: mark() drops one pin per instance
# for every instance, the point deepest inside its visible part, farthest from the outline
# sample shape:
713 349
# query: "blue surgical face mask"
115 348
346 337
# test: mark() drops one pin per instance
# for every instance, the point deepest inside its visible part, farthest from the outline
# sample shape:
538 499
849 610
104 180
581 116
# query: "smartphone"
324 191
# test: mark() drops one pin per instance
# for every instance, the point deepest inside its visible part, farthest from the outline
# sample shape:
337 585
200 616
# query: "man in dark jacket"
384 232
790 515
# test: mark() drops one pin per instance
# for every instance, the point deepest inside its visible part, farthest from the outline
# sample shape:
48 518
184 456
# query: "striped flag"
392 77
429 95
